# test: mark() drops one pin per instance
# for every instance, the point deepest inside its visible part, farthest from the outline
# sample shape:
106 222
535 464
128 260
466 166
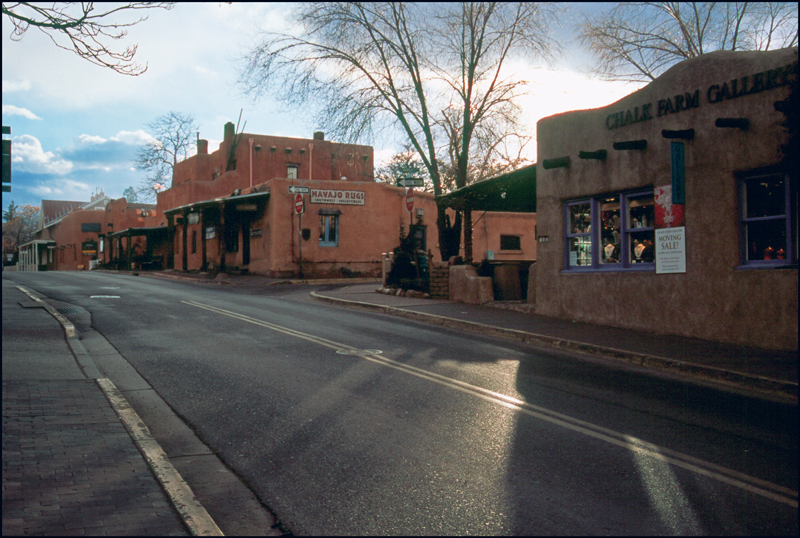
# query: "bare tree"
174 138
86 29
403 165
376 66
638 41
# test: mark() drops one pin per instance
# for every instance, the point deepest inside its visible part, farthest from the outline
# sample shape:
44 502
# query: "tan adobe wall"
713 299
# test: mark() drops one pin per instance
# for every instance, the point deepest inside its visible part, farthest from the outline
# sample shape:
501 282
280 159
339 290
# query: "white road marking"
729 476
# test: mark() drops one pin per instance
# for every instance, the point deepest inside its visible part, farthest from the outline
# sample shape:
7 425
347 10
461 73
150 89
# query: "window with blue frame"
766 221
611 232
329 230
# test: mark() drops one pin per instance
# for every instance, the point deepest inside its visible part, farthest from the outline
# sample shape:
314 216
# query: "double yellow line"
729 476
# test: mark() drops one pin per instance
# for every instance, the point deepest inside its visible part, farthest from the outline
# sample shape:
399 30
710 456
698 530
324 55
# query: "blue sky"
76 126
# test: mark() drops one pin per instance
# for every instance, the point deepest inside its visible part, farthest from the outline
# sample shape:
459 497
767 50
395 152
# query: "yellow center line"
729 476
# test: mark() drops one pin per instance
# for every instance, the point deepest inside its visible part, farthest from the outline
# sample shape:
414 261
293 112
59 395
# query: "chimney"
230 131
319 135
202 147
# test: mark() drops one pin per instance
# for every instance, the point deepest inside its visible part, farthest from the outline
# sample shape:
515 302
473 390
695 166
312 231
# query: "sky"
75 126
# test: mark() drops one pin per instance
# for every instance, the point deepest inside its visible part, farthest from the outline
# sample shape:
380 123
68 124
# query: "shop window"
329 230
766 216
510 242
615 231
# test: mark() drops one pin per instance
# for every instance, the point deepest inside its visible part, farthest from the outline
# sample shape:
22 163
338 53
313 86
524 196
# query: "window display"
620 225
579 215
641 228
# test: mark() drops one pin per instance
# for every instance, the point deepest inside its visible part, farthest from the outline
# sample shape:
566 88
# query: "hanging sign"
678 176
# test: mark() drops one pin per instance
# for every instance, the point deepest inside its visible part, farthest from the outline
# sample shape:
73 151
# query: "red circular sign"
410 199
298 203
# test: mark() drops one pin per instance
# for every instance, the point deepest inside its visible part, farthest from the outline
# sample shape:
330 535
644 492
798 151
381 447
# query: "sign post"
299 208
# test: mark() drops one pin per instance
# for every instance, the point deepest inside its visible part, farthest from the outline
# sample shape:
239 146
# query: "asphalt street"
346 422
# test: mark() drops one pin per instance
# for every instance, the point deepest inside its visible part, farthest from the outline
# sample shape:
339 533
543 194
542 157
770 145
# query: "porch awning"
48 242
514 191
215 201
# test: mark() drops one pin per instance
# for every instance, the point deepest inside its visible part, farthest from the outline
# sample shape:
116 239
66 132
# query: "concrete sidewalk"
758 371
70 465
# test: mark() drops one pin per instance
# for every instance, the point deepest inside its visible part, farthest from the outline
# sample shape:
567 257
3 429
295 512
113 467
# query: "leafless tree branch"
638 41
85 28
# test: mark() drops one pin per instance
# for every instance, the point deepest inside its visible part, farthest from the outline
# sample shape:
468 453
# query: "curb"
192 513
194 516
773 387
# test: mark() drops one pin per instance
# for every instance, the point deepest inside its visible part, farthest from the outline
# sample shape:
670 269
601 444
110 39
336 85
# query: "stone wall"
440 281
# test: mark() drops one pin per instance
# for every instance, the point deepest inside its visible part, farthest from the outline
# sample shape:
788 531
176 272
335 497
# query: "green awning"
514 191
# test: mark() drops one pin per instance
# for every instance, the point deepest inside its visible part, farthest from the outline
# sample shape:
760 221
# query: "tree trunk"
449 234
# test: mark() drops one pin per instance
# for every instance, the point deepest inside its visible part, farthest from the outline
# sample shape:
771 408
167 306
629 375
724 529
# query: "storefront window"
640 228
329 230
611 232
579 231
611 242
765 221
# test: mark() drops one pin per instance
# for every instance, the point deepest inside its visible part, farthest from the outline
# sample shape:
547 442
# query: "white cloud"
30 157
16 85
91 139
133 138
11 110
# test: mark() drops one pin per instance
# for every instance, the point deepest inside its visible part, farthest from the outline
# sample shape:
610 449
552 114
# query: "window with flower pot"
766 238
610 232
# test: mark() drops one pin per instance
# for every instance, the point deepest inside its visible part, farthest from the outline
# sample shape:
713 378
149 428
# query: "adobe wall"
487 227
365 231
68 255
715 298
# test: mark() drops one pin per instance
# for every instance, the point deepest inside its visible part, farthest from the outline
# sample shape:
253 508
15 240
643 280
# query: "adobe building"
672 210
236 209
68 235
133 235
76 235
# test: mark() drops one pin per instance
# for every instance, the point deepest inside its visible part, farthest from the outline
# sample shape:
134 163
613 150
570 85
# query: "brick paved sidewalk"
71 468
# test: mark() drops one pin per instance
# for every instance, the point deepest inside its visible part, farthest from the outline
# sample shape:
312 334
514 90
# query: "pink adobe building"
236 208
278 206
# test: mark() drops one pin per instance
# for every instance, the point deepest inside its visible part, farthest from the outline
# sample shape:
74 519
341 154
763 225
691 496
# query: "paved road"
350 423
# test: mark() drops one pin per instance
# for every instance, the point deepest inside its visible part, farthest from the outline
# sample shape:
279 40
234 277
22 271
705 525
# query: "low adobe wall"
467 287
